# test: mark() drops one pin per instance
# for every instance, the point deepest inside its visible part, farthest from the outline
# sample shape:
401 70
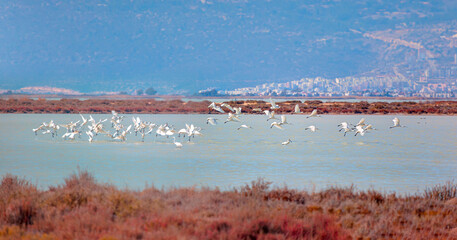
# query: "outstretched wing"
278 126
128 128
227 106
297 109
314 112
362 121
219 109
396 121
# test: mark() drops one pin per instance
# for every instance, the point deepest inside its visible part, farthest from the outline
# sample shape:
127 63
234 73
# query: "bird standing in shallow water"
177 144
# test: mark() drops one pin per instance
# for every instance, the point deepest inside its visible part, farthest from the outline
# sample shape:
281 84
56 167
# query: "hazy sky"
185 45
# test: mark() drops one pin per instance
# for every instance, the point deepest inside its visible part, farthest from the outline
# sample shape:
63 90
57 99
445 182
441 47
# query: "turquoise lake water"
405 160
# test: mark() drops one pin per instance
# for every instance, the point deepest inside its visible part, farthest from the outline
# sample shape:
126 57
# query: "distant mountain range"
184 46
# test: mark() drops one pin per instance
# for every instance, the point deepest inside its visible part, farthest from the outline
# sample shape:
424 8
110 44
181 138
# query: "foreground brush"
81 208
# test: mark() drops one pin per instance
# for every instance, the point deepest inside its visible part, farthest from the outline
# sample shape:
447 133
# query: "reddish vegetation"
25 105
81 208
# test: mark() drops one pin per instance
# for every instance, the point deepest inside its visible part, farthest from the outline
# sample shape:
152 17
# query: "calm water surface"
405 160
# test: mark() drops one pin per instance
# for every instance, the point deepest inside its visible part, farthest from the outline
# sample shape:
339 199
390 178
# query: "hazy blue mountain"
177 46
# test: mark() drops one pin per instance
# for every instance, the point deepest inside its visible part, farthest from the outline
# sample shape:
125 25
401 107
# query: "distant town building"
443 84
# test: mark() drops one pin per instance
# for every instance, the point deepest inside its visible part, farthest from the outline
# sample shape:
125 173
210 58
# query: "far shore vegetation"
177 106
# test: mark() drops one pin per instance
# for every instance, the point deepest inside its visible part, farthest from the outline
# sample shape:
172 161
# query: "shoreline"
230 97
81 207
191 113
177 106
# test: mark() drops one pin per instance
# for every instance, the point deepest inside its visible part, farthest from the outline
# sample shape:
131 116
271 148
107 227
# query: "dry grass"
443 192
81 208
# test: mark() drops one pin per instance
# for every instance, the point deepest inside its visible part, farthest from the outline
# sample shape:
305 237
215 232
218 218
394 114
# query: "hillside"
190 45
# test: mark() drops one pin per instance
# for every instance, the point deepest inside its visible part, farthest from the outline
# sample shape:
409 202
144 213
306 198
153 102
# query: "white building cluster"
393 86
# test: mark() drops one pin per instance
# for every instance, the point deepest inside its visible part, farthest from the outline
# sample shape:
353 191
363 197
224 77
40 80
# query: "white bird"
190 128
197 133
70 135
70 126
116 119
170 132
286 142
273 104
344 126
91 119
151 128
244 126
237 111
313 114
212 121
45 124
90 134
232 118
284 119
396 123
312 128
217 108
51 124
276 124
193 131
48 131
227 106
117 126
360 130
212 105
85 121
138 125
50 128
297 109
35 130
161 130
369 127
270 115
123 134
178 144
183 132
136 122
97 127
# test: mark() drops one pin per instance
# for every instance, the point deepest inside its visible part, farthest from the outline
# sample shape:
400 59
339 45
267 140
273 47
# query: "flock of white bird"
118 131
360 128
